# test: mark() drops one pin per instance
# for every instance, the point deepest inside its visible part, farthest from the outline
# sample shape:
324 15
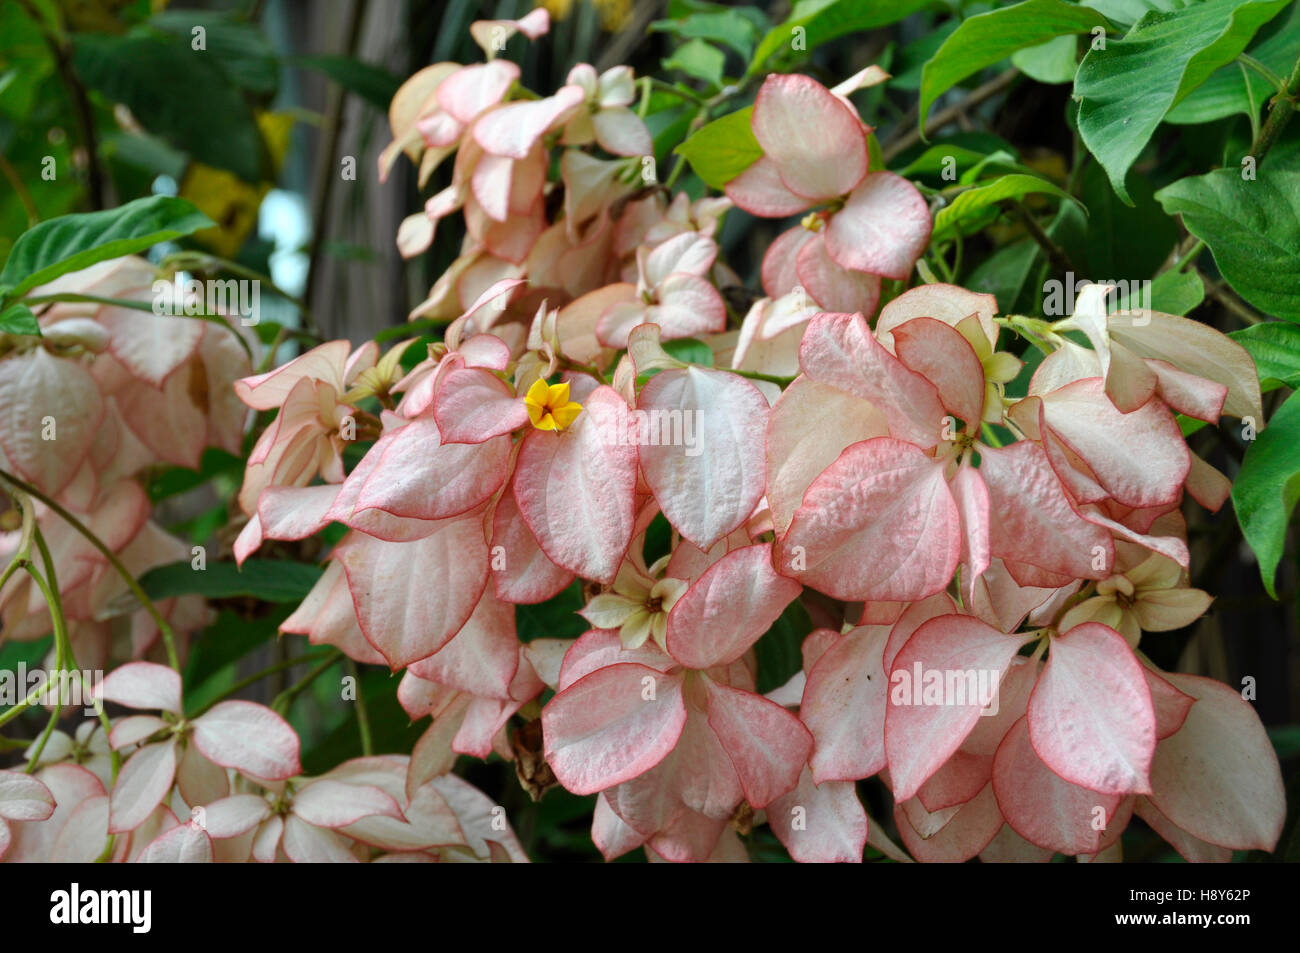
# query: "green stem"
757 376
1188 256
587 369
1055 253
1250 95
687 94
285 698
61 646
1276 81
706 108
243 683
363 716
202 261
169 637
69 296
23 553
69 659
1279 113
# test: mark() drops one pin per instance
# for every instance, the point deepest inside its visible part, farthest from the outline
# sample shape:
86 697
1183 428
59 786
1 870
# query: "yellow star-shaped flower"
549 407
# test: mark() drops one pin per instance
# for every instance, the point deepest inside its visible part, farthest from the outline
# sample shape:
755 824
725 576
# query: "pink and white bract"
980 567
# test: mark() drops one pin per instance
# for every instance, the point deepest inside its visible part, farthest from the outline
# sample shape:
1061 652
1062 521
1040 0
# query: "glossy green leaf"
723 149
779 652
1124 242
1236 89
73 242
272 580
814 22
1253 229
991 37
1275 346
1267 488
1126 88
239 49
1177 292
1052 62
375 85
556 618
18 319
176 92
728 28
698 59
968 206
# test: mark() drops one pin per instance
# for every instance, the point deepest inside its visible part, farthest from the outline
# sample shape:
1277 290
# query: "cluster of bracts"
866 460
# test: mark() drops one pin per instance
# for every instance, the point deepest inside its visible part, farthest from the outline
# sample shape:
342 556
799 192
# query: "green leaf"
1238 89
1004 273
690 350
1253 229
18 319
1175 292
967 206
240 50
990 37
905 73
1123 242
227 640
700 60
271 580
933 162
1286 740
1128 12
738 32
175 480
376 86
176 92
723 149
1267 488
73 242
555 619
1126 89
30 654
814 22
1275 346
1054 62
778 652
391 729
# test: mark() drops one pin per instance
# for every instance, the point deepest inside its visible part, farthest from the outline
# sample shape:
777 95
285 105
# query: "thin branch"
979 94
363 716
1055 253
80 106
24 196
1220 293
282 701
1279 113
325 171
168 636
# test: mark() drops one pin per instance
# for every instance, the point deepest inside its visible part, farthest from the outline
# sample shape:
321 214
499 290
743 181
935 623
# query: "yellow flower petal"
558 394
566 414
537 394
